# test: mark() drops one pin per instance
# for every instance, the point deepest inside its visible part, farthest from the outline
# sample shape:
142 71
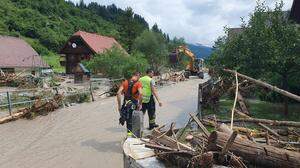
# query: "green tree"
268 48
175 43
154 47
115 63
127 29
156 29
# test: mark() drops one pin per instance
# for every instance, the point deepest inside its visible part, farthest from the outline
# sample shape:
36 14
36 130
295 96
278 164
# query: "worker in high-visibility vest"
149 92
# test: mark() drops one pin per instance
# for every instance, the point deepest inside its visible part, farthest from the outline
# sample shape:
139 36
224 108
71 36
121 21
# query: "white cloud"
198 21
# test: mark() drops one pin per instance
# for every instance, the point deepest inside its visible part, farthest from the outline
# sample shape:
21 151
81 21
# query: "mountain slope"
200 51
47 24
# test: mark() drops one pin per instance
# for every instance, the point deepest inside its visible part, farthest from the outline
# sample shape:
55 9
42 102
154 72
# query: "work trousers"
126 113
150 108
129 121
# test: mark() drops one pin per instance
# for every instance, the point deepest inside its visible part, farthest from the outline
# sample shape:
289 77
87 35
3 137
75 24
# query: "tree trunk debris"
264 121
254 153
240 147
264 84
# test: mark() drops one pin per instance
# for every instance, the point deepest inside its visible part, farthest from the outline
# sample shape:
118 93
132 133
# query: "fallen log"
14 116
235 128
256 154
264 121
260 124
224 128
263 84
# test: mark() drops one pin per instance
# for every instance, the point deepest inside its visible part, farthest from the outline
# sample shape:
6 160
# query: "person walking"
132 91
149 92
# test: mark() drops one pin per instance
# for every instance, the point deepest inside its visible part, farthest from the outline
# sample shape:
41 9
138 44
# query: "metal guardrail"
10 104
9 101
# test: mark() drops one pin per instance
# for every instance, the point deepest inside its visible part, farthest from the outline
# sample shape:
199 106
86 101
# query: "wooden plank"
13 116
168 141
205 131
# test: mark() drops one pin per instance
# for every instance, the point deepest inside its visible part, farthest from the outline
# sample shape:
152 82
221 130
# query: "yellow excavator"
195 66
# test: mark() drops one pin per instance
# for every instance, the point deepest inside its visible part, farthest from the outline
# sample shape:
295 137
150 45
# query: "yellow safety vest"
147 92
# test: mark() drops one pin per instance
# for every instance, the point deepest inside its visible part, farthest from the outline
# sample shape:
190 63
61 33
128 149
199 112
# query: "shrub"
116 63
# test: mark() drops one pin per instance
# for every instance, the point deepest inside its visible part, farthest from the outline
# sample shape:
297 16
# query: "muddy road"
85 135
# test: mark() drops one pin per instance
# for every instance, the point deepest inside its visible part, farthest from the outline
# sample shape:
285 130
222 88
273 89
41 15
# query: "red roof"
96 42
16 53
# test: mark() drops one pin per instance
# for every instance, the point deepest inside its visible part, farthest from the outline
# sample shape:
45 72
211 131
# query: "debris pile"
43 107
251 142
24 81
170 76
192 148
114 87
6 79
39 107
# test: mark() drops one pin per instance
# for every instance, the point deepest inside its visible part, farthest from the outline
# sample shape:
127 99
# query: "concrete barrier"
136 155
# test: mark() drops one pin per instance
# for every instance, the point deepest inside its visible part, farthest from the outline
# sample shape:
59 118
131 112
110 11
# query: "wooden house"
82 46
17 55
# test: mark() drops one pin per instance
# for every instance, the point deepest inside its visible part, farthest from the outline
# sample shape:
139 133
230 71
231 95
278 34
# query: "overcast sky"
197 21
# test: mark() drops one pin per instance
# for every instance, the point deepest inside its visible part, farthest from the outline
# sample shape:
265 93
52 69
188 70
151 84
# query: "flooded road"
85 135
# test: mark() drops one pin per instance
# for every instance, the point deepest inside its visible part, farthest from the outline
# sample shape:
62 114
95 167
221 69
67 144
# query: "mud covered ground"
85 135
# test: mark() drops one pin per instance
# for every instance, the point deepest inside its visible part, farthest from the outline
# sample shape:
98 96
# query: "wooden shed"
82 46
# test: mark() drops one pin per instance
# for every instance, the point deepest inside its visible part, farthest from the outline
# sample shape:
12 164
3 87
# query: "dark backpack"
129 94
128 104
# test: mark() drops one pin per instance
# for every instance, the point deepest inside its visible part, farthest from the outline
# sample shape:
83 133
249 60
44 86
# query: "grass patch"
258 109
53 60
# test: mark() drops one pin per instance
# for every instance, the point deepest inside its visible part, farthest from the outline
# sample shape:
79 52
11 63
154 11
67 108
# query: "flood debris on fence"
39 107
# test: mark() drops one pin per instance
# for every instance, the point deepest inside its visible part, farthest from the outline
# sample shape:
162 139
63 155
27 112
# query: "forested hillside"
47 24
51 22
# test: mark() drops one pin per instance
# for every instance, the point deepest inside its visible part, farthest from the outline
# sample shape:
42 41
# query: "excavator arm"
195 66
190 54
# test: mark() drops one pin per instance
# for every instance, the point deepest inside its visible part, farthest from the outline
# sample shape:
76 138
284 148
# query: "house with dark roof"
82 46
295 11
16 54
